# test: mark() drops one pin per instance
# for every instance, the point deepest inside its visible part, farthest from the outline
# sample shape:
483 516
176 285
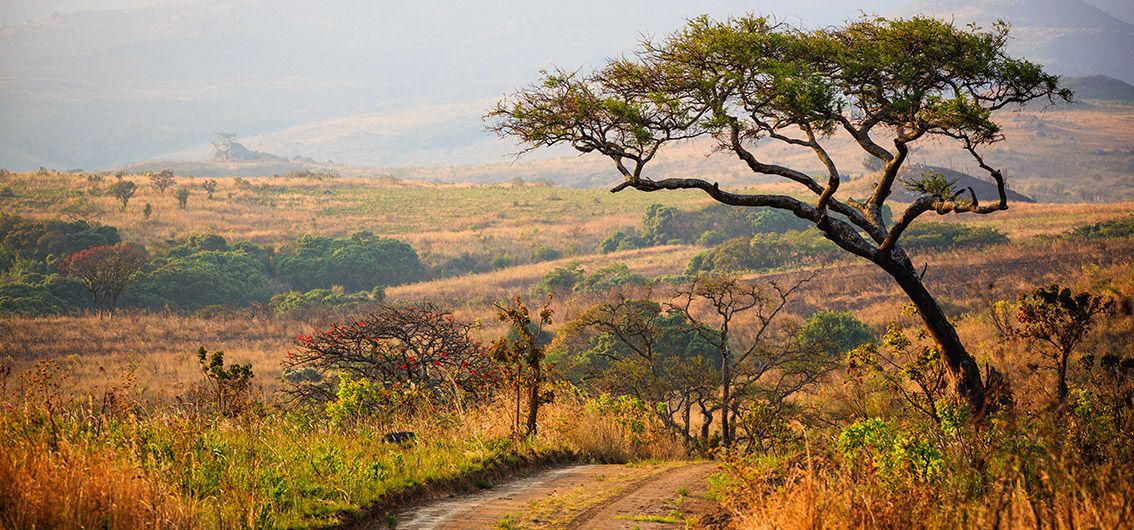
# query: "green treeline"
199 271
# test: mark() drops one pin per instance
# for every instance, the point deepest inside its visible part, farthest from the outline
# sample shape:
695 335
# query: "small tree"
229 387
182 195
1061 319
147 211
410 354
124 190
106 271
745 359
522 358
210 187
161 180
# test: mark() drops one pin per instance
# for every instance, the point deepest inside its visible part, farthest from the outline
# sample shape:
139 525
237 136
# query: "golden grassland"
160 462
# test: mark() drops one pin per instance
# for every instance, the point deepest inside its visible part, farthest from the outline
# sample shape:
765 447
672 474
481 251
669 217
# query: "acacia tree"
751 79
105 271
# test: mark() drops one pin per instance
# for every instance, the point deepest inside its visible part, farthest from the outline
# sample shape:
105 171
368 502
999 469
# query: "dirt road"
577 497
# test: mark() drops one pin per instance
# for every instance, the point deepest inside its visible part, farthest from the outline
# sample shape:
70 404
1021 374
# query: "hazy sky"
827 11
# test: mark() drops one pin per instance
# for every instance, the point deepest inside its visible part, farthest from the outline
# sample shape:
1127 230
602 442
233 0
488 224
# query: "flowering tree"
105 271
403 352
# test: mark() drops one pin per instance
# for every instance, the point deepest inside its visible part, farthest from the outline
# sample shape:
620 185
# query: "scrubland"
108 420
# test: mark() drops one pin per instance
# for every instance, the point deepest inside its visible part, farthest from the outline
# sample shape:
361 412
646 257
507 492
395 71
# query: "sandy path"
584 497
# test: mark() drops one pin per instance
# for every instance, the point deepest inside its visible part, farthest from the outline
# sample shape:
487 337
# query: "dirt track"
578 497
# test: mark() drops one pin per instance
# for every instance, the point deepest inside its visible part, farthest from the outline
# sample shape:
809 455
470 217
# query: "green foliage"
836 332
203 272
939 236
1111 228
620 240
355 399
764 251
182 196
294 301
229 387
37 240
123 190
545 253
573 278
892 452
561 280
358 263
35 294
934 184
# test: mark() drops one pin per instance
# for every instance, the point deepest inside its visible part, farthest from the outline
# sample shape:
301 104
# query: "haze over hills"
375 84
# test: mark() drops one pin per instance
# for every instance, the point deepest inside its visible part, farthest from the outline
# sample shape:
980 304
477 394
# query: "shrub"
924 236
560 281
191 278
229 389
36 240
414 354
1110 228
836 332
358 263
293 301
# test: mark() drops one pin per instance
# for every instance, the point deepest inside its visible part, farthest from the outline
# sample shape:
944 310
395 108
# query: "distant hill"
1101 88
379 84
985 191
1069 37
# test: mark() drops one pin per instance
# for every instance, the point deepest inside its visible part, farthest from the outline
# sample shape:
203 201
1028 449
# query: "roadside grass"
107 460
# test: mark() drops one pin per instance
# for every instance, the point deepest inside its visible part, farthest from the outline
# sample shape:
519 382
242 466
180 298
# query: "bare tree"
756 356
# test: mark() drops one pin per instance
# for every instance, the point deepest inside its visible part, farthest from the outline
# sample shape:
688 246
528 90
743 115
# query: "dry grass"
82 486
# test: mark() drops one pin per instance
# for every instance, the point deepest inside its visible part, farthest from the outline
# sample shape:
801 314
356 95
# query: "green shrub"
358 263
293 301
938 236
195 279
836 332
1110 228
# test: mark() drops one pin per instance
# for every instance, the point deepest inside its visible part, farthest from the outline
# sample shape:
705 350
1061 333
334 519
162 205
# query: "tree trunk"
961 367
533 400
726 389
706 423
1062 386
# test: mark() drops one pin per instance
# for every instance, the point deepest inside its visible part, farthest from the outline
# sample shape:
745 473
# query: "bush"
37 294
358 263
836 332
560 281
763 251
293 301
36 240
939 236
190 277
620 240
412 356
1110 228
